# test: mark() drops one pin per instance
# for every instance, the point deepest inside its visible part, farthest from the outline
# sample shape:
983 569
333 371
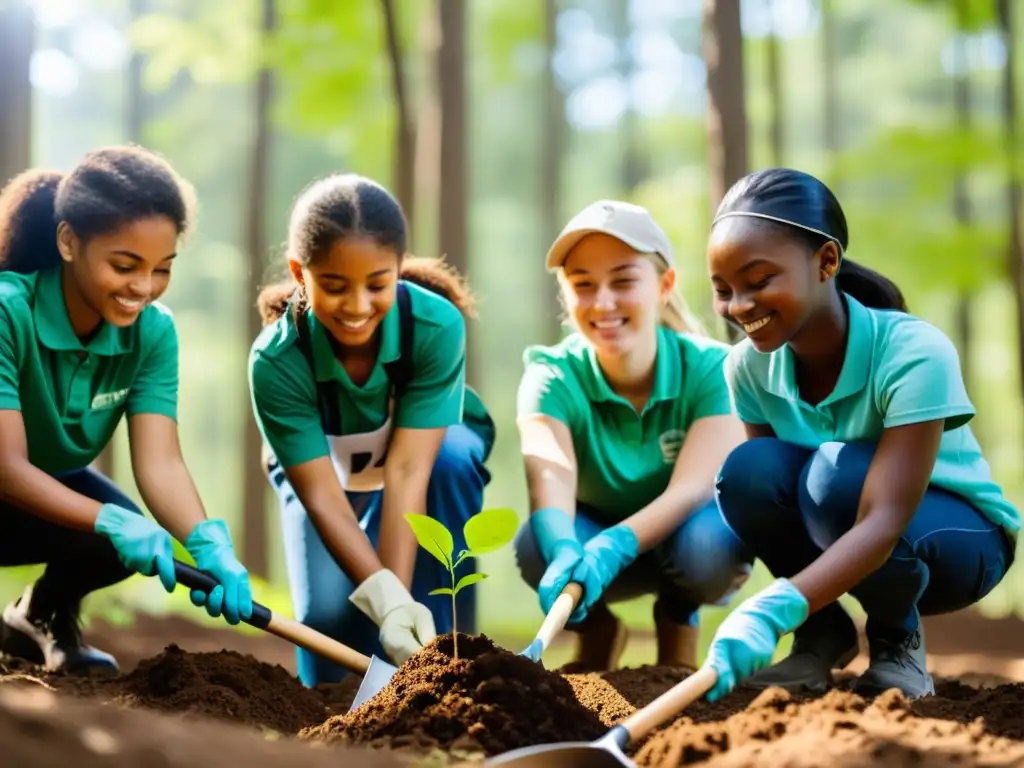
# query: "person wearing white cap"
623 426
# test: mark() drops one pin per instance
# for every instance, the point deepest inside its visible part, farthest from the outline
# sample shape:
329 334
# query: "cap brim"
560 248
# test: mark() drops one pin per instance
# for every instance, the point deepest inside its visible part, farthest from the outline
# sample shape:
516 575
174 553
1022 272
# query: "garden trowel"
375 671
554 622
607 752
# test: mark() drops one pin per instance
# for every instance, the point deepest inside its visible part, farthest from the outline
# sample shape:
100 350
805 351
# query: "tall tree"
830 78
454 199
727 106
633 169
551 157
1008 96
17 40
961 196
404 152
254 493
773 73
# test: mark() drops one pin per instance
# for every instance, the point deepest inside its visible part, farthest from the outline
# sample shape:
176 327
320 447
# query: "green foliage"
487 531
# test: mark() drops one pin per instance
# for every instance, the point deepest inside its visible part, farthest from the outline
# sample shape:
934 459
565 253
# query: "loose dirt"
172 709
487 700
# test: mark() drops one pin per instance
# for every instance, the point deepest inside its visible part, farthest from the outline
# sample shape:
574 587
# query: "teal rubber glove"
210 546
141 544
606 555
745 642
555 534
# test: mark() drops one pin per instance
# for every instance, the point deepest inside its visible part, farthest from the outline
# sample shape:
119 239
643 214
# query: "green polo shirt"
624 459
72 395
283 389
898 370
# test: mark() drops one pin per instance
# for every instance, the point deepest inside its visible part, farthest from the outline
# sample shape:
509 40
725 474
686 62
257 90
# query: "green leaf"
468 580
441 591
490 529
433 537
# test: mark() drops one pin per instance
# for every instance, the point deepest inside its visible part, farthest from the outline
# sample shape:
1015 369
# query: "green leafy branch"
486 531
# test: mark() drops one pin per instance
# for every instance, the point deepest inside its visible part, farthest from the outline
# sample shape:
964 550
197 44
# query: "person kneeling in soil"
83 259
860 473
623 426
358 363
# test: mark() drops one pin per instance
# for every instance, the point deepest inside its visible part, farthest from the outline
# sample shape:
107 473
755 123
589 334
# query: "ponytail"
434 275
28 222
870 288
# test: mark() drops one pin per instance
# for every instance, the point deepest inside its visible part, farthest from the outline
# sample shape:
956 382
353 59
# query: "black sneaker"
827 641
898 660
53 642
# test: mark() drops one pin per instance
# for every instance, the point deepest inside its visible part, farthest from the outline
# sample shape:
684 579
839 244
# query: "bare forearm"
171 495
397 544
344 539
853 557
655 522
26 487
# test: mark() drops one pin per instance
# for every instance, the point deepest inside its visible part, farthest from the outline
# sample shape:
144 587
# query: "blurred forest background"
494 121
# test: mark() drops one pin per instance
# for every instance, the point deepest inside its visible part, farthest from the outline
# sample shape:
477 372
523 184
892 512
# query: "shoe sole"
14 642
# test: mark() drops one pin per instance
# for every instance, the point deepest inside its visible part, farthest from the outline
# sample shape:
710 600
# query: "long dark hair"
108 188
796 205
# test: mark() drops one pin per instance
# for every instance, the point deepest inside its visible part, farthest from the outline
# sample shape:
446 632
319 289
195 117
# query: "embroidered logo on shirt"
670 443
108 399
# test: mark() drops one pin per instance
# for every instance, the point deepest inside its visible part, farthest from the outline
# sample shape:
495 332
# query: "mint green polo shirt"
283 389
72 395
898 370
624 459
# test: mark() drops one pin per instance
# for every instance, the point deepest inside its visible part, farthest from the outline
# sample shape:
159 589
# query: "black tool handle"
193 578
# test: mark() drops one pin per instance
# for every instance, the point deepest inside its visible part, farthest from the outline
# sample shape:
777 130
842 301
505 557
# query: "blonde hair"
676 314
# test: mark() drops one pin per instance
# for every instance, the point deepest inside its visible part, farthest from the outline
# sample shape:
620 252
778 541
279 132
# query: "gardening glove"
405 625
745 642
141 544
210 546
555 534
605 557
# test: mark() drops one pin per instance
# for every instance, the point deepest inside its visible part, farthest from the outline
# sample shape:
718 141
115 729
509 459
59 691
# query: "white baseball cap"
632 224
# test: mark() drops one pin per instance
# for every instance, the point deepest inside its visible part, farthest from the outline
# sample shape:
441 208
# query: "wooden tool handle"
559 614
283 627
671 703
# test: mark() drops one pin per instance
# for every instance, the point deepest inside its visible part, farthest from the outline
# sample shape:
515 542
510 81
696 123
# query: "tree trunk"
17 39
961 196
254 506
552 156
1015 254
830 78
773 72
633 161
727 108
454 200
404 155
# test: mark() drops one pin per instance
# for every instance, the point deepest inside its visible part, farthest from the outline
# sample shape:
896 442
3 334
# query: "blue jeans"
700 563
789 504
320 589
77 562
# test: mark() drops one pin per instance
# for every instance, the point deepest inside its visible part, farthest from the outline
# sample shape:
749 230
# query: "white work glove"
405 625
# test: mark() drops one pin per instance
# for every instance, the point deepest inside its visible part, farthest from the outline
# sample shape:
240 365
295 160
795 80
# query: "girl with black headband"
860 473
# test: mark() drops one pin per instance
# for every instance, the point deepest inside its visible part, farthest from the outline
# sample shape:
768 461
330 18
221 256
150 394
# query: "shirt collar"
53 326
668 371
328 366
856 364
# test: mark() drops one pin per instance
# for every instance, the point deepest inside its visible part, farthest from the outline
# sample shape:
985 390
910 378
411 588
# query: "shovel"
376 672
607 752
554 622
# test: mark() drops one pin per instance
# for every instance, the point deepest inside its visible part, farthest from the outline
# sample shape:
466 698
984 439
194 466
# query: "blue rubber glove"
555 533
141 544
210 545
745 642
606 555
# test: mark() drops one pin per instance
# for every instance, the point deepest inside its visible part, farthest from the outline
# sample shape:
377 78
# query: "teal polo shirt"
283 388
624 459
898 370
72 395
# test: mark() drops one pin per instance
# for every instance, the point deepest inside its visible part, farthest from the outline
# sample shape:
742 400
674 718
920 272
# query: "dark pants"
77 562
788 504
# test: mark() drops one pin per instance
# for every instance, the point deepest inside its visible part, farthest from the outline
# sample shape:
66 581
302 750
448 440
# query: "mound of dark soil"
221 684
488 700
